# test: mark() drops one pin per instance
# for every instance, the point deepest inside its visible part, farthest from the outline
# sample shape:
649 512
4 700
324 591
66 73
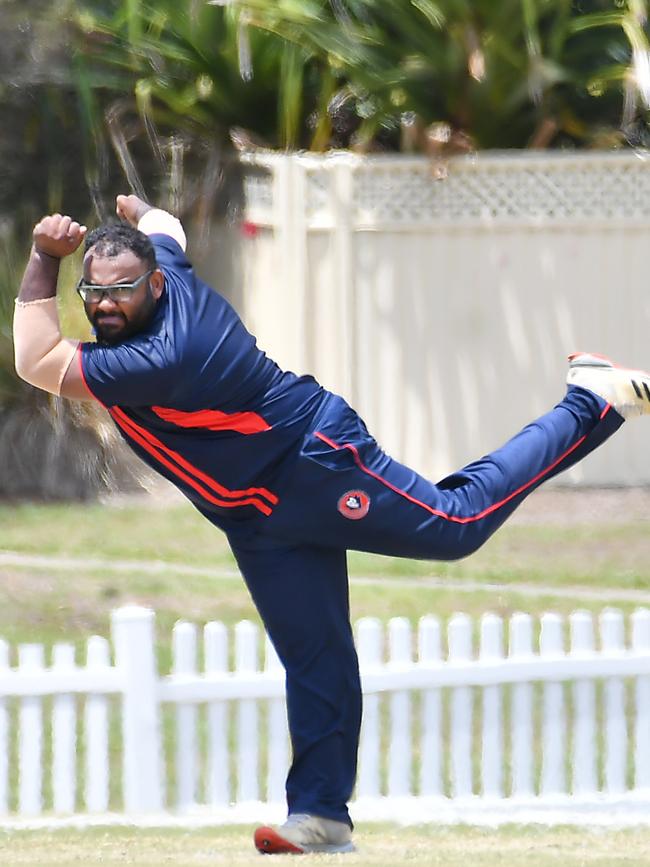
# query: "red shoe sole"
269 842
613 364
593 355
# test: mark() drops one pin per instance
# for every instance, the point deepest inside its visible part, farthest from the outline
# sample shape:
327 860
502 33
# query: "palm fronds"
509 74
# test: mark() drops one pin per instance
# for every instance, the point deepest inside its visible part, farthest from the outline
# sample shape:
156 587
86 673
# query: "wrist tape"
156 221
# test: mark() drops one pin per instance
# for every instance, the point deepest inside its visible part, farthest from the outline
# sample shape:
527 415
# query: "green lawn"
174 561
180 565
614 553
377 846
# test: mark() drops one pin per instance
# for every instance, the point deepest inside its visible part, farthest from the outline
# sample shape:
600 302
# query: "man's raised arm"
151 221
42 355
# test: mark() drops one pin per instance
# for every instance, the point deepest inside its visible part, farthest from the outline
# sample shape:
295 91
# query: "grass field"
94 558
377 846
177 563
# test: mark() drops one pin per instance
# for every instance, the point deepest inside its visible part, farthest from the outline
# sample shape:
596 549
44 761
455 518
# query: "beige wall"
444 309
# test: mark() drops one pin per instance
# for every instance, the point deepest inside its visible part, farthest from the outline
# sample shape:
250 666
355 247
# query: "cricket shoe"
628 391
302 833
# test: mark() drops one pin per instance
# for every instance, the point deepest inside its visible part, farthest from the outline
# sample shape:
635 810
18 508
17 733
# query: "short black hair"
115 238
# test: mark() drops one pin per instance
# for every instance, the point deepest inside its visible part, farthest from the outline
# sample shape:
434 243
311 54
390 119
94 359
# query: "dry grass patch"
377 846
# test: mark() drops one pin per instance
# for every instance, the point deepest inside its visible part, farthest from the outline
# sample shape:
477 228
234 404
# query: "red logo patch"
354 505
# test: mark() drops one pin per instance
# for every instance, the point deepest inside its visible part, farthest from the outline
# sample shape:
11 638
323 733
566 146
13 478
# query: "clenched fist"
131 209
58 236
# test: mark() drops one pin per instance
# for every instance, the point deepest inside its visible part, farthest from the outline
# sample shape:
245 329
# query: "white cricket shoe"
628 391
303 833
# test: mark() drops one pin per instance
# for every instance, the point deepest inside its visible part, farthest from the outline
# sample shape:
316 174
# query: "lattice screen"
482 189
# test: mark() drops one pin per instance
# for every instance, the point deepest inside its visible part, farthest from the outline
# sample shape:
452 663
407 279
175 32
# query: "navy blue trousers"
344 494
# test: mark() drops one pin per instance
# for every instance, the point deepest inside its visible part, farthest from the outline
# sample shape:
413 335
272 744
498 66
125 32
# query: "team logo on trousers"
354 505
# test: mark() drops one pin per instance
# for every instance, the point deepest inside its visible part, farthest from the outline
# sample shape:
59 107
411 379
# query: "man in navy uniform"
285 468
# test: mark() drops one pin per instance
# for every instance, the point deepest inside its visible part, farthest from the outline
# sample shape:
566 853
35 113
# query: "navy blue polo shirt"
199 402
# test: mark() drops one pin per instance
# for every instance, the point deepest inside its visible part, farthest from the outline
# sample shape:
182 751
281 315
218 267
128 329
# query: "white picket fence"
561 716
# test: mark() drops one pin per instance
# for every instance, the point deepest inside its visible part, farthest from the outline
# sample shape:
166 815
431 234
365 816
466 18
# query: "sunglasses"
92 293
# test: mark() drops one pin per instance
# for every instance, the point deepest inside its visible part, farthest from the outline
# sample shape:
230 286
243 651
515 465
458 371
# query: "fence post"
30 741
553 711
641 644
521 724
342 239
459 632
215 643
399 747
96 731
184 649
369 643
246 637
278 746
584 708
612 630
132 629
291 233
64 739
4 734
431 740
492 735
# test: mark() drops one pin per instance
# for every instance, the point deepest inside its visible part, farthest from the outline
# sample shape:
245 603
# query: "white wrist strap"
159 222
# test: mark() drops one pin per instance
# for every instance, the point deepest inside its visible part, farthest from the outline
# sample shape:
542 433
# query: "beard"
113 328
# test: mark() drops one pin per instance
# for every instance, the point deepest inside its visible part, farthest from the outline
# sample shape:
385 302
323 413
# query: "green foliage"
494 75
423 75
619 557
41 145
50 448
188 68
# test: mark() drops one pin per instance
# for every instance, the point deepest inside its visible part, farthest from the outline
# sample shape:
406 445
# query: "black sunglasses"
92 293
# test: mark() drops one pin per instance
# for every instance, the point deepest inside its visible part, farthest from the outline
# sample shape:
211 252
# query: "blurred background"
425 204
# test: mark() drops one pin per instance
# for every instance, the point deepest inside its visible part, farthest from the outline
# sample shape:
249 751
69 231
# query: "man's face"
114 320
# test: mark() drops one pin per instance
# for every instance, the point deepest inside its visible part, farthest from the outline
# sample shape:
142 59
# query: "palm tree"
197 63
49 448
423 75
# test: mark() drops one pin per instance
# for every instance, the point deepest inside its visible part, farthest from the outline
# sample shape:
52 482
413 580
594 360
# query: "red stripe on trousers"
437 512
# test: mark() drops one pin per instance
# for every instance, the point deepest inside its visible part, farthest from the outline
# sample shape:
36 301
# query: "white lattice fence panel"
483 189
543 190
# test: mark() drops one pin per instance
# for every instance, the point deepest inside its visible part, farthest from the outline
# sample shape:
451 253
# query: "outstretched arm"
42 356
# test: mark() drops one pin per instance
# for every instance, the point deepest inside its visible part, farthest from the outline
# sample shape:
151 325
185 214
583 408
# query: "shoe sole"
269 842
592 359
